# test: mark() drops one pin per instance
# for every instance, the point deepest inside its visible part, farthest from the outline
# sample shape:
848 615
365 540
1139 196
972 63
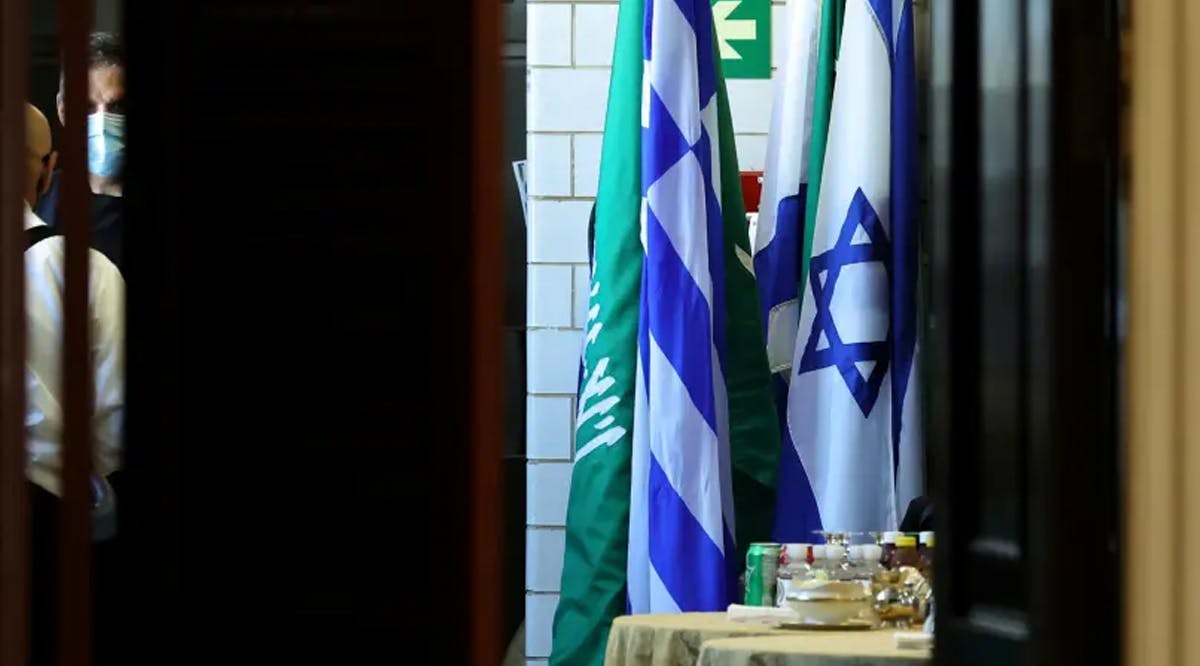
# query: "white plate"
855 625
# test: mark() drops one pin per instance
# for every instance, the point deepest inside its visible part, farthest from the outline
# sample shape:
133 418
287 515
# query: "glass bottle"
794 567
793 561
889 549
836 561
818 557
906 552
872 557
925 555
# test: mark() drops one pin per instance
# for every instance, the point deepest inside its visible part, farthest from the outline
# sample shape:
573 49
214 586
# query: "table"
708 639
671 640
813 648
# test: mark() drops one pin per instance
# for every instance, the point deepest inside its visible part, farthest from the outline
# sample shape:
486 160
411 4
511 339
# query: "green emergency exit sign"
744 37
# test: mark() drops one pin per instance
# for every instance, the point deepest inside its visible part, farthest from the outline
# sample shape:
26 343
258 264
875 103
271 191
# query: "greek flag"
853 409
681 547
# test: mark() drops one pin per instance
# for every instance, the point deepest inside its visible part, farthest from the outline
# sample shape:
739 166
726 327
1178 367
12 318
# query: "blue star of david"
823 273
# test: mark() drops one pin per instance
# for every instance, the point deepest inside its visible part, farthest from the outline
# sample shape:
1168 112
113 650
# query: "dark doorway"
1024 338
315 306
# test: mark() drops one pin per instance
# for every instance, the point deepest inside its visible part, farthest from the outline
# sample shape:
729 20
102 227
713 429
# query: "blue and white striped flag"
779 241
853 409
681 552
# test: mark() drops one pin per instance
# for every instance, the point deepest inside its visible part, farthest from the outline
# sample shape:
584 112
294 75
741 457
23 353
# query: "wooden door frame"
14 501
487 327
74 210
75 528
1162 501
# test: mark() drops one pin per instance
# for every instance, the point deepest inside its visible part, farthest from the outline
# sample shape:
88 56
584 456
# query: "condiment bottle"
926 555
889 549
906 552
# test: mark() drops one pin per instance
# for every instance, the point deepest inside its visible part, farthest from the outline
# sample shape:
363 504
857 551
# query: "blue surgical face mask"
106 144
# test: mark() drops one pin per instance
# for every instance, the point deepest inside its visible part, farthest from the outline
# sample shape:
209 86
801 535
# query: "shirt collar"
31 218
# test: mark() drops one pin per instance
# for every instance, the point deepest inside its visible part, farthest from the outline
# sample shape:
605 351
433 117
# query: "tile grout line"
571 165
571 33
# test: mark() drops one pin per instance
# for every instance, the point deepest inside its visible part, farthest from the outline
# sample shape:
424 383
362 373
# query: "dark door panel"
1024 354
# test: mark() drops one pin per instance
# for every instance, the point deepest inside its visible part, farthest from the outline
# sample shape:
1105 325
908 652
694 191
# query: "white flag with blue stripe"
853 403
779 233
779 241
681 553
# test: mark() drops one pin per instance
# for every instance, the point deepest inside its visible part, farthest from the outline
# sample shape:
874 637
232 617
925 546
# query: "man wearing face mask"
105 146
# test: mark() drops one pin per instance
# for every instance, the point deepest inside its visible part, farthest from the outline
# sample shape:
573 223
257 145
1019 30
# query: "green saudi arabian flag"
593 588
597 538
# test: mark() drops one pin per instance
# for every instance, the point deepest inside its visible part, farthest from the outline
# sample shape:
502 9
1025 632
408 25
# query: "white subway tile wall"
548 34
558 231
566 99
595 30
544 566
547 484
549 165
552 361
550 427
549 300
750 105
587 164
539 616
583 291
570 53
751 151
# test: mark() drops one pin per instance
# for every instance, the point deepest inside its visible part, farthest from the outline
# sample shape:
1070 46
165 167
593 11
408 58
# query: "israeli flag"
681 552
853 403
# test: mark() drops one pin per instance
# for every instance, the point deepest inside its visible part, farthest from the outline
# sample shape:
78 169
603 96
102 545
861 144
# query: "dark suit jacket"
919 517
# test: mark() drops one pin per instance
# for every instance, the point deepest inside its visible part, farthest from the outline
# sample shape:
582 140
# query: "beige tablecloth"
671 640
813 648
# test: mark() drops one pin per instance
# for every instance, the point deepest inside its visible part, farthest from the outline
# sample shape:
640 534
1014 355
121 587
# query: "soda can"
762 567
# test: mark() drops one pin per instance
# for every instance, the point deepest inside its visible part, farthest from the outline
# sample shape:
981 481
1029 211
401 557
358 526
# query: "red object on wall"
751 189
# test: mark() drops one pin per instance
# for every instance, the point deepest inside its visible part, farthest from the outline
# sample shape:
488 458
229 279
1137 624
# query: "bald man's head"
39 154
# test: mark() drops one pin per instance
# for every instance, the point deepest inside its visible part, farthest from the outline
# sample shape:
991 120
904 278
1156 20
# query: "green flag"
597 538
753 420
832 12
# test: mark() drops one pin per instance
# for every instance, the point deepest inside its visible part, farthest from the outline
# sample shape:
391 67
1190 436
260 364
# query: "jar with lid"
889 549
794 566
925 555
906 552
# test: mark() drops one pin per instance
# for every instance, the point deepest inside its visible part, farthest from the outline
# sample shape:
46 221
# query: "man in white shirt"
44 275
43 299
